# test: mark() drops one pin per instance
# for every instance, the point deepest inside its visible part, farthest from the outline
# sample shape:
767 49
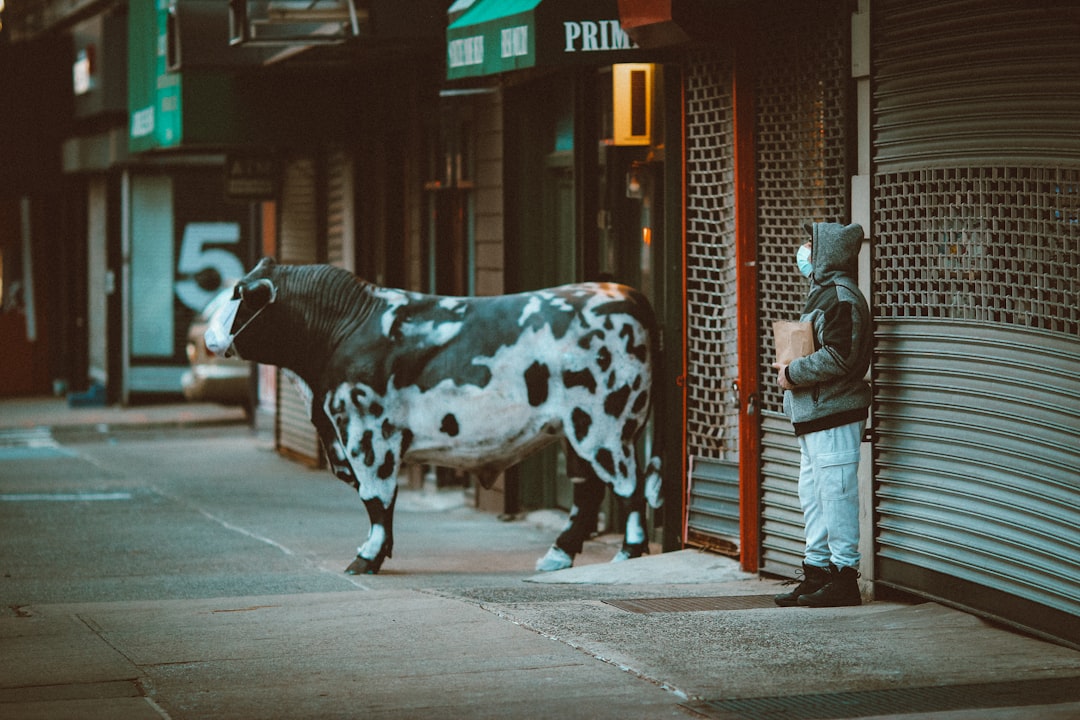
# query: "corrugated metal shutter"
984 81
977 305
339 211
802 90
297 244
712 414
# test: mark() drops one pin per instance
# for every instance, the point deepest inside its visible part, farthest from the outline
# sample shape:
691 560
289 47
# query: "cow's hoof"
363 566
629 552
555 559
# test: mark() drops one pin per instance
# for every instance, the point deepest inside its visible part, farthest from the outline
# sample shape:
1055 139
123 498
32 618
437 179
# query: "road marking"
273 543
65 497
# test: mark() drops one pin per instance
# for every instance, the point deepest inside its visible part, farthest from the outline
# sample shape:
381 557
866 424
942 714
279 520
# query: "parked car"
213 378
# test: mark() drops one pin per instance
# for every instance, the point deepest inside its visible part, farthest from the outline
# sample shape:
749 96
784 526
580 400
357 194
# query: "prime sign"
505 44
589 36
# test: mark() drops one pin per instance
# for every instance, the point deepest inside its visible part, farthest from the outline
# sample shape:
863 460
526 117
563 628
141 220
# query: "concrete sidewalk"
54 412
439 654
681 634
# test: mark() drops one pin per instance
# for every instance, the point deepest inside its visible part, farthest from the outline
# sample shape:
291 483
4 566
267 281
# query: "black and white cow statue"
474 383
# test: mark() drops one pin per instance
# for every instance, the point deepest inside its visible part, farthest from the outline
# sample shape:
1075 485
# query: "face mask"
803 260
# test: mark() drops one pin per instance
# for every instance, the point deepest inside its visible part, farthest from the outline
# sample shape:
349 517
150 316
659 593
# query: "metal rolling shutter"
712 415
977 303
339 248
803 77
297 244
975 82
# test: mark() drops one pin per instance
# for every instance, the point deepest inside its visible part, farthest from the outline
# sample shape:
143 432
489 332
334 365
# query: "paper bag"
793 340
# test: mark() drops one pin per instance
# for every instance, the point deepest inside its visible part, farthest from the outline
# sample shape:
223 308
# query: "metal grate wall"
802 95
977 306
802 108
993 244
712 409
712 416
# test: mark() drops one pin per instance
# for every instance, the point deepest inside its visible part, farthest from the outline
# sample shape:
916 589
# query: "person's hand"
781 376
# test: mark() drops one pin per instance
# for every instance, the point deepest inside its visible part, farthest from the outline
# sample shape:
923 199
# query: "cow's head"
255 292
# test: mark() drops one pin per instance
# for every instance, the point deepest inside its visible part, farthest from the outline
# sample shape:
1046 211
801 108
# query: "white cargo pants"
829 494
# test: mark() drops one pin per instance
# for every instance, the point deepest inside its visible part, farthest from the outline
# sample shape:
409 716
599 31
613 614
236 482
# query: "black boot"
842 590
813 579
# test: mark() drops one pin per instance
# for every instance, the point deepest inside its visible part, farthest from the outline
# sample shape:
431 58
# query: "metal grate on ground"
894 701
693 604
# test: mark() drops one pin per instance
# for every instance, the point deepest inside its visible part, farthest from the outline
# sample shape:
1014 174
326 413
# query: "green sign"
154 107
496 36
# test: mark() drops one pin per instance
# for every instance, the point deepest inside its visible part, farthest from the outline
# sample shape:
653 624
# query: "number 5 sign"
197 257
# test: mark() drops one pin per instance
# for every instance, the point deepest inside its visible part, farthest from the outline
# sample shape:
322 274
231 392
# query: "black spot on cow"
579 378
641 352
367 449
387 468
603 358
406 440
615 403
342 424
536 383
582 422
629 430
387 429
641 402
586 340
357 397
622 469
450 425
606 461
376 409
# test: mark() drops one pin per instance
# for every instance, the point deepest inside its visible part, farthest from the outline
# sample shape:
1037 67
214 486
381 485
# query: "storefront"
766 101
976 230
181 239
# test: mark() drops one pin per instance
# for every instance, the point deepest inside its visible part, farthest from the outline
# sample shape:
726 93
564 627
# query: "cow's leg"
635 541
335 453
589 493
380 540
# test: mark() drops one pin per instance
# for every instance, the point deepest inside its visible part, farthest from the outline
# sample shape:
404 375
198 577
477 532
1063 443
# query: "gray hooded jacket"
829 387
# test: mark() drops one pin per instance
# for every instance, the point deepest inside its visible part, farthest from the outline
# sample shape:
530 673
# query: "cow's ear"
259 294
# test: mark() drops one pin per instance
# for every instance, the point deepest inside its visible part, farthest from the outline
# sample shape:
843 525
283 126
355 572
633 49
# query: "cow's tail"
652 479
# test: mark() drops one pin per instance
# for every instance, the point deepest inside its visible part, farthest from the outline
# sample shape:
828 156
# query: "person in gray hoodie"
826 397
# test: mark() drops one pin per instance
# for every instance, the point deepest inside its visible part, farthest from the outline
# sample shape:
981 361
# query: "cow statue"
474 383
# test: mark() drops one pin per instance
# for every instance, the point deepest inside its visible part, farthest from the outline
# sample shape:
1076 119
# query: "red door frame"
746 294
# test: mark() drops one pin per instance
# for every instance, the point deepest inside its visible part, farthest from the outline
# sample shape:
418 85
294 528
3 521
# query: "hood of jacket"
835 251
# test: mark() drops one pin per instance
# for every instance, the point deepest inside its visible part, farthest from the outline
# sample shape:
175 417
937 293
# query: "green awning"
495 36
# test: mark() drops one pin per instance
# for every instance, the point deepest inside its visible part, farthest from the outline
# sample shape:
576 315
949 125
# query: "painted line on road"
273 543
65 497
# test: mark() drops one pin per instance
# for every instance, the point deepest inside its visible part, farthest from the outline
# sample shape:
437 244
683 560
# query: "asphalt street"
191 572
